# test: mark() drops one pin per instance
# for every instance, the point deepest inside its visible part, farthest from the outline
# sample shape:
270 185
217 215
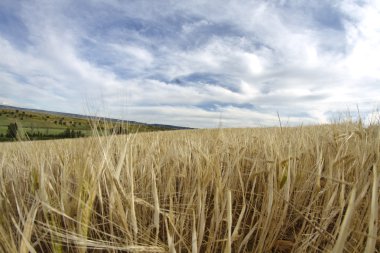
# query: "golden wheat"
302 189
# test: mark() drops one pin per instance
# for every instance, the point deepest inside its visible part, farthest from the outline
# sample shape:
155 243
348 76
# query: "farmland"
49 125
301 189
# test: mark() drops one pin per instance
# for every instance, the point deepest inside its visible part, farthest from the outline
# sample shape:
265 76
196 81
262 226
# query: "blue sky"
192 63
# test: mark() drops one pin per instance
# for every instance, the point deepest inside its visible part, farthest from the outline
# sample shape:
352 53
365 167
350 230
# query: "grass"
44 122
55 124
303 189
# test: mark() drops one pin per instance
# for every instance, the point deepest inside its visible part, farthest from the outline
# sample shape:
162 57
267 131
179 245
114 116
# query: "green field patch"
39 125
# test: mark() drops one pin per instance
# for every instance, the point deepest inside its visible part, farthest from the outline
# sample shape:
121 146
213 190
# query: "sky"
193 63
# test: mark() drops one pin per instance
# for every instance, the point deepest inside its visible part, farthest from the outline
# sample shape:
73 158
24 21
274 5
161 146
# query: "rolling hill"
41 124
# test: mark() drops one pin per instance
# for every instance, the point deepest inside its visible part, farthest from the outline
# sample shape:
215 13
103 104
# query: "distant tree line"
13 133
118 130
70 133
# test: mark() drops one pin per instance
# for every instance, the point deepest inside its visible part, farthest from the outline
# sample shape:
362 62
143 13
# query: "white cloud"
363 39
139 56
195 62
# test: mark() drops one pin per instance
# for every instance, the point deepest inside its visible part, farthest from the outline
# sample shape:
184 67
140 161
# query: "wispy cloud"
192 63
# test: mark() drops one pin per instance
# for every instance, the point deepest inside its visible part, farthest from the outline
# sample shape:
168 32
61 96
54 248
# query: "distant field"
40 122
53 124
305 189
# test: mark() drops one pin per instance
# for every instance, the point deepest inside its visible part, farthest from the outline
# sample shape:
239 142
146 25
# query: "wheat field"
301 189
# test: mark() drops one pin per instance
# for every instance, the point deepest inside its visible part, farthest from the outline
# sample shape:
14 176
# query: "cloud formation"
194 63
